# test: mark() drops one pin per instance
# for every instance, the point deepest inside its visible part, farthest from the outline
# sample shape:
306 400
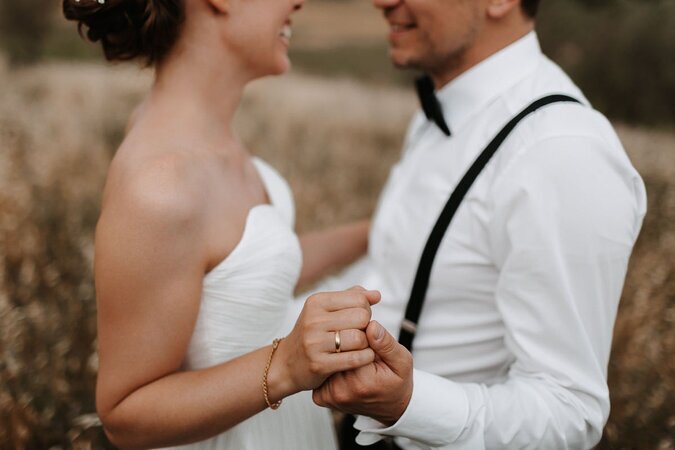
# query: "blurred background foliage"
63 112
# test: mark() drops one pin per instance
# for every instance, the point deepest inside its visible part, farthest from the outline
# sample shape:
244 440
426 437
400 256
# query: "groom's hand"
380 390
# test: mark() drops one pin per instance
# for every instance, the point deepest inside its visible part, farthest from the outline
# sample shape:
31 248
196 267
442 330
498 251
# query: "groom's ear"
498 9
220 6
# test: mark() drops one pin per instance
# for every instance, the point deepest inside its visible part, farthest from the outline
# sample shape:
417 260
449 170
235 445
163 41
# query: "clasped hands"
370 375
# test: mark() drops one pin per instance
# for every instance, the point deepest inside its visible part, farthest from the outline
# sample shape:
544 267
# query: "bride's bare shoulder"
163 189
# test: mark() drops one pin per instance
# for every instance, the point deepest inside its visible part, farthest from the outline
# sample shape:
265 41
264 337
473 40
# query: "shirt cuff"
436 415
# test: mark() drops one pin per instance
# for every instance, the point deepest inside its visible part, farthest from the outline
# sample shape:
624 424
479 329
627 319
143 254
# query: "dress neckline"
259 167
251 212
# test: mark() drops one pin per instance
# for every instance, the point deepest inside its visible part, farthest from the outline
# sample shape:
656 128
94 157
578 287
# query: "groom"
512 345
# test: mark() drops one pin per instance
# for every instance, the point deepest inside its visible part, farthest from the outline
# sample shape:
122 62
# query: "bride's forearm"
187 407
327 250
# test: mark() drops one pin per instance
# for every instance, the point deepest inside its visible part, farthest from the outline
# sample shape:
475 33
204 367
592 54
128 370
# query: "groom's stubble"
446 31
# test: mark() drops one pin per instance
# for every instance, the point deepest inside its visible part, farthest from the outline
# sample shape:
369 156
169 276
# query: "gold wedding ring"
338 342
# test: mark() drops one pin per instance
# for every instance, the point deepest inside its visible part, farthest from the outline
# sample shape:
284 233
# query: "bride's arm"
327 250
150 262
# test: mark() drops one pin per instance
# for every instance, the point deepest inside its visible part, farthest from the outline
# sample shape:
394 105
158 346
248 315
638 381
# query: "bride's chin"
276 65
282 65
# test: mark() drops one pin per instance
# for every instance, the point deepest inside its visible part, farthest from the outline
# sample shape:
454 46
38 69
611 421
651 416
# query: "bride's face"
259 32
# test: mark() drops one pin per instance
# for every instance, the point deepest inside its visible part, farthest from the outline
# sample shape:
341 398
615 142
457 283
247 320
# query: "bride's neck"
197 90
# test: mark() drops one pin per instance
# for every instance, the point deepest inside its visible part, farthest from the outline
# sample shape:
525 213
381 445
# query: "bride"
195 255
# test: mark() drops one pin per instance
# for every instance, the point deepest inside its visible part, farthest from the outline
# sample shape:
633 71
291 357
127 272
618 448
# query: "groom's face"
431 35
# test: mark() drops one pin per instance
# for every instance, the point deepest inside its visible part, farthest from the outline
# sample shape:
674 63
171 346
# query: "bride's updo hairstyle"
129 29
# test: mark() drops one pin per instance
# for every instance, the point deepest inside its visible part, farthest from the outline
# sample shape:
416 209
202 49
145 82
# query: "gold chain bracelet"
274 405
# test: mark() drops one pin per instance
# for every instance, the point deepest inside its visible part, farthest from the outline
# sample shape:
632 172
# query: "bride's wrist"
279 381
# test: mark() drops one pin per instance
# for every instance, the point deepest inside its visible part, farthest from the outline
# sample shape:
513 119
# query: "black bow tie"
430 105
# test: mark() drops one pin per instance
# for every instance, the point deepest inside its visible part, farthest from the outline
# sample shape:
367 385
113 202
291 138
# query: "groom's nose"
386 4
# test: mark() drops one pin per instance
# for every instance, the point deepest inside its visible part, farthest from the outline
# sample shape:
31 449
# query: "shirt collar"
464 96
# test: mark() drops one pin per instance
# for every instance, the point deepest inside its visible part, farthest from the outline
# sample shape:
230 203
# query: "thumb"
393 354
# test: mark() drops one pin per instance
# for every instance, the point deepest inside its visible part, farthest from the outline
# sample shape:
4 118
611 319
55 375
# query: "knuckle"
340 395
363 318
316 301
353 359
362 391
360 358
317 397
315 368
360 339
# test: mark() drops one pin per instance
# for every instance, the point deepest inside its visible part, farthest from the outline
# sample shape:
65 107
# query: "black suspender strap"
421 283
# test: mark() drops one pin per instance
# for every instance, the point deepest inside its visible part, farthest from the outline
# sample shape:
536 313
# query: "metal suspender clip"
409 326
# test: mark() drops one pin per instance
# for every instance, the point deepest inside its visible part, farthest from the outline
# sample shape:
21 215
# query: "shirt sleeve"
565 217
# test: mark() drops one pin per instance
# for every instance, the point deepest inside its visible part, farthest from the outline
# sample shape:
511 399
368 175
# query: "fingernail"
379 331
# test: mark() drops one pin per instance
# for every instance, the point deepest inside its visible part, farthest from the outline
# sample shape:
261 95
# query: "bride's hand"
307 356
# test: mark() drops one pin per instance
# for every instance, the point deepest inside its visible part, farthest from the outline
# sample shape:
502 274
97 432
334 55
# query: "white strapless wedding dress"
246 301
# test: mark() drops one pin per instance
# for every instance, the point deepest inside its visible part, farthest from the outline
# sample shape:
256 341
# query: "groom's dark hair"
530 7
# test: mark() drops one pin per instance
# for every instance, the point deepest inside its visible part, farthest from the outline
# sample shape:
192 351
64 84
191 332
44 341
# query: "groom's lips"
396 30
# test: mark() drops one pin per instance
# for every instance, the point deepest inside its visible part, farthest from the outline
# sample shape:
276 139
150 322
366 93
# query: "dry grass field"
334 140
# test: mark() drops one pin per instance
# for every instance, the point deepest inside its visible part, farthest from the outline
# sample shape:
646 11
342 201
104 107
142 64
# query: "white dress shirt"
514 338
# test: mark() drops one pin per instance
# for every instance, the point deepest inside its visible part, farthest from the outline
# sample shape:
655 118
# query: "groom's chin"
400 60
